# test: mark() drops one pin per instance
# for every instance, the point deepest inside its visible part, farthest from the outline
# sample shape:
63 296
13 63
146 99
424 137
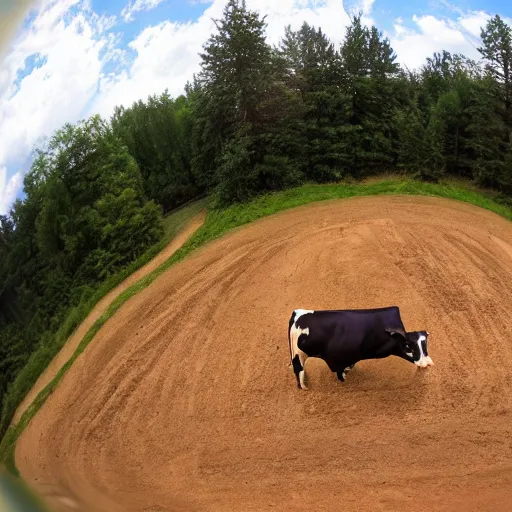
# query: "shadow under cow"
386 386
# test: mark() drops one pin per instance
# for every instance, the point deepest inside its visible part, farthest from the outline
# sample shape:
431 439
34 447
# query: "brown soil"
185 400
74 340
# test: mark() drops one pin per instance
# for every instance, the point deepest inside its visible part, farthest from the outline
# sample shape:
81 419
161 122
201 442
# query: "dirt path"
72 344
185 401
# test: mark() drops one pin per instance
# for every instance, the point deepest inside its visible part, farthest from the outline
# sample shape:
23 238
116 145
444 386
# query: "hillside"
185 400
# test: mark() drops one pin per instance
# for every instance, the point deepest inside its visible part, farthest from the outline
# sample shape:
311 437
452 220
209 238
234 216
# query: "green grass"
219 222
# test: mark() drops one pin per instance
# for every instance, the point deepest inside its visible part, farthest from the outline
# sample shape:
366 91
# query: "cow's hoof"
302 380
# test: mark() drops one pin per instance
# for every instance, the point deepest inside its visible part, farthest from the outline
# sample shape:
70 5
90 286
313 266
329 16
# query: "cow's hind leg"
299 362
297 339
342 374
298 369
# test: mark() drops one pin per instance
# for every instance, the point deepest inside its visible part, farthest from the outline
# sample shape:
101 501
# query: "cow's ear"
395 330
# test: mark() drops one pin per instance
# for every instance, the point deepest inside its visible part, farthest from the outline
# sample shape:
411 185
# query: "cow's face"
416 348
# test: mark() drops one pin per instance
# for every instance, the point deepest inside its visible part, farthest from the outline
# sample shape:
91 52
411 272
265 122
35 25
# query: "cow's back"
346 334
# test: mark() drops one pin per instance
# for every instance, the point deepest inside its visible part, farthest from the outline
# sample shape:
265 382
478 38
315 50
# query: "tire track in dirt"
185 400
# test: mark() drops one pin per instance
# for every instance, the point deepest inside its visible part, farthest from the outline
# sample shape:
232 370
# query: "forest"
256 118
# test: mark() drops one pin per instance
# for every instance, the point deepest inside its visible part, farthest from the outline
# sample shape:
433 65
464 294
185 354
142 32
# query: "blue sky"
63 60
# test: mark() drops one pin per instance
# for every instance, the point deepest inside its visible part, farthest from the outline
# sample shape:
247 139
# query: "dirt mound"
185 400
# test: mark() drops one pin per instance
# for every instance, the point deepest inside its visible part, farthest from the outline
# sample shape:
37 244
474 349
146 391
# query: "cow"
344 337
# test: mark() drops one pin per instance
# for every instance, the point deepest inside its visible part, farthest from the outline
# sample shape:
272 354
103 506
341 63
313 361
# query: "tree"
9 307
453 108
496 49
435 76
244 109
155 135
434 164
411 140
234 69
313 69
487 133
312 63
84 217
370 78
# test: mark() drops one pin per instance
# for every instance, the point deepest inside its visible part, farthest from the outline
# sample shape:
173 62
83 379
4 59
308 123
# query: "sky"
64 60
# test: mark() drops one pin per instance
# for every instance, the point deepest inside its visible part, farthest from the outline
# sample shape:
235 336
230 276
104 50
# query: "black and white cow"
343 337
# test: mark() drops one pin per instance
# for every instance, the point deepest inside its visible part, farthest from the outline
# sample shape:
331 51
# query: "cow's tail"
290 324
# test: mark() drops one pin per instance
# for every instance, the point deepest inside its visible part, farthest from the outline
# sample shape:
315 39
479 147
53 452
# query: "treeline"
256 118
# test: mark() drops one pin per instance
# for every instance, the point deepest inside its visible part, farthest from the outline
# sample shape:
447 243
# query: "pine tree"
411 140
235 66
153 132
314 70
487 133
496 49
454 108
434 164
310 57
370 77
435 77
242 97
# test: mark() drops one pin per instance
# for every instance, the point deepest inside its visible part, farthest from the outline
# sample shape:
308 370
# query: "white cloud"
137 6
430 35
328 14
167 55
474 21
166 58
366 8
70 41
8 189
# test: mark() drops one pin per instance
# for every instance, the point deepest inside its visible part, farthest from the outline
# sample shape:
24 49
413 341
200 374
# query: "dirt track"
185 402
74 340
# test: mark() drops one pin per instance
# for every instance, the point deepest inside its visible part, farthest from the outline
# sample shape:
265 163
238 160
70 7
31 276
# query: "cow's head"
414 346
